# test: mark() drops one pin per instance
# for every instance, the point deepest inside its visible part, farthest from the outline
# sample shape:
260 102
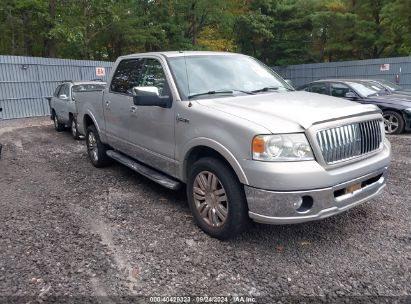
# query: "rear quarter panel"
90 103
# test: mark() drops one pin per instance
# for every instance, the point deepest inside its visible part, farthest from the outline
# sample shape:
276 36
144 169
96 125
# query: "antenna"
188 83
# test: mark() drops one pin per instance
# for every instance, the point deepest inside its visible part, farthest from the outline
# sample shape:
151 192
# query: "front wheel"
393 122
216 199
73 128
96 149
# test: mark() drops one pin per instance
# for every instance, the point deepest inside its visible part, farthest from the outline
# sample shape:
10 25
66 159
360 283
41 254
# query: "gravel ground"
71 232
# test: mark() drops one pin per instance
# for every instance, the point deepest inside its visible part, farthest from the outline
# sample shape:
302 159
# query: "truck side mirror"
350 95
150 96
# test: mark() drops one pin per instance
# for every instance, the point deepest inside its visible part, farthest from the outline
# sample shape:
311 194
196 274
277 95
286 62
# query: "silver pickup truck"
245 144
63 103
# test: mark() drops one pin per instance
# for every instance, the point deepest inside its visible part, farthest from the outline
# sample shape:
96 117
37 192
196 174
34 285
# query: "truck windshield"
200 75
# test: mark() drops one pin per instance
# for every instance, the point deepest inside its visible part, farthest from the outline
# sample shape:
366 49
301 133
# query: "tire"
73 128
96 149
393 122
227 213
59 127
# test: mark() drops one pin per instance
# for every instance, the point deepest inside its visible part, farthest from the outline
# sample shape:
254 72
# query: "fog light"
297 204
306 204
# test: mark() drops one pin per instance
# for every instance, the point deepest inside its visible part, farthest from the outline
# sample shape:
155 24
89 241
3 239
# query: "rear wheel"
217 199
59 127
393 122
73 128
96 149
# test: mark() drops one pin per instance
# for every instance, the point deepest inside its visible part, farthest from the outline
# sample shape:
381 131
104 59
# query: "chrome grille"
350 141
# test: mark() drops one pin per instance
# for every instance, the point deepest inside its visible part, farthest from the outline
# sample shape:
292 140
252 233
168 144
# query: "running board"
148 172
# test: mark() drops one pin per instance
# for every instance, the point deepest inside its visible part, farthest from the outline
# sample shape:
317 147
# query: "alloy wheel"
73 128
210 198
391 123
92 146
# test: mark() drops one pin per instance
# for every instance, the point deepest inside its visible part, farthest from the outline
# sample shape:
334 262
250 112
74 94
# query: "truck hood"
272 109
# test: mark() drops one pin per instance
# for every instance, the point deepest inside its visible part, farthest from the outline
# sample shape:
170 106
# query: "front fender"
220 148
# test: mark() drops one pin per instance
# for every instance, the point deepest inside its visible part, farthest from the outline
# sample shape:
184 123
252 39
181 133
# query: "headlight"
281 147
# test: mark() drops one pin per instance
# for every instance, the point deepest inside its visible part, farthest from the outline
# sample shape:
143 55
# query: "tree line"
278 32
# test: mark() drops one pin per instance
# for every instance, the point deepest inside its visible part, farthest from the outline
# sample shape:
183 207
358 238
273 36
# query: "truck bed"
88 102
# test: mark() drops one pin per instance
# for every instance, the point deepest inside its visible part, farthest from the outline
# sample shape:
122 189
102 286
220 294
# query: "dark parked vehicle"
396 108
391 87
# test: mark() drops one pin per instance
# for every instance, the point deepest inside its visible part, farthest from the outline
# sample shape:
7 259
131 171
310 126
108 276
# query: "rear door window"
320 88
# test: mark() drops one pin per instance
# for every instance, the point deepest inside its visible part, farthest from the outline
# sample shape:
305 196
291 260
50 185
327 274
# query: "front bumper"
272 207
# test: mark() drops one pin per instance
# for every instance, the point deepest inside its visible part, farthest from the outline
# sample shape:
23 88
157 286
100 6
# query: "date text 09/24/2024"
202 299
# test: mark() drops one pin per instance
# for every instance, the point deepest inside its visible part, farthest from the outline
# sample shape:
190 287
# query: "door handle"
107 105
133 109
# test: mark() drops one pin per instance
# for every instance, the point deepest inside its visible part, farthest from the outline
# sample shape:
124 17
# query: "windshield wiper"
219 92
266 89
